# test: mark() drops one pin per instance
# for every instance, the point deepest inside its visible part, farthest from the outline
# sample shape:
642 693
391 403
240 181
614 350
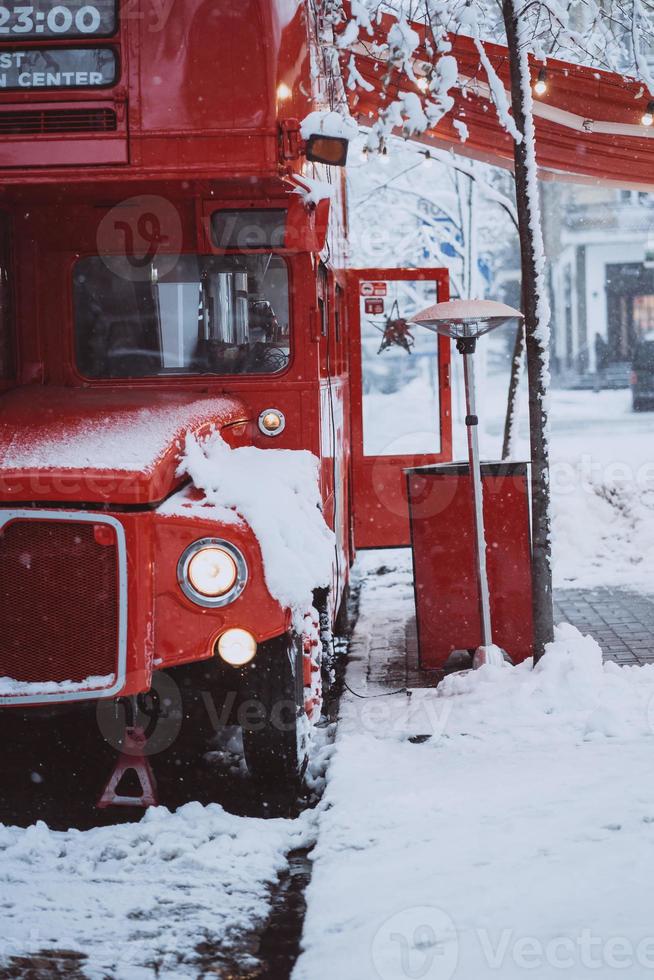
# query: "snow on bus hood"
99 445
278 494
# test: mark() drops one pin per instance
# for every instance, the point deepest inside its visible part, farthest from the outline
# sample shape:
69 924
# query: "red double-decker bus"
168 271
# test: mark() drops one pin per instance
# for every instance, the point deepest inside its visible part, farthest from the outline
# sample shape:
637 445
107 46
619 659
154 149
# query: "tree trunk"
536 312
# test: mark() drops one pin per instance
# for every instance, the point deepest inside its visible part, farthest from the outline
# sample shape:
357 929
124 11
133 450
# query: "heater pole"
466 346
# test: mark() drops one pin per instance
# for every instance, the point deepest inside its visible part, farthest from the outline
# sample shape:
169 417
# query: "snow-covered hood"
100 445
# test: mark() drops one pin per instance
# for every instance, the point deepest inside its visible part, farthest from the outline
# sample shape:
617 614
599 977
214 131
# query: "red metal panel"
208 67
37 419
184 631
50 152
381 517
444 564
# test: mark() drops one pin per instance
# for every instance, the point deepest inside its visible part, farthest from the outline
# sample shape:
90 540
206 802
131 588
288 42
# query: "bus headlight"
237 647
212 572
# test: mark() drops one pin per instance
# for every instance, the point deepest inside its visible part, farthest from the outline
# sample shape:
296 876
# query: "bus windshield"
193 314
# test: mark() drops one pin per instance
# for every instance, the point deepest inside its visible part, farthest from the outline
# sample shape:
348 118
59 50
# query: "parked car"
642 374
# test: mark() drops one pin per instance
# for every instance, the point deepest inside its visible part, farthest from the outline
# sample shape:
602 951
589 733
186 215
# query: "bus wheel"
273 720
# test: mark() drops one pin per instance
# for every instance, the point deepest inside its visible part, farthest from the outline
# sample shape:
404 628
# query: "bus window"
196 314
6 322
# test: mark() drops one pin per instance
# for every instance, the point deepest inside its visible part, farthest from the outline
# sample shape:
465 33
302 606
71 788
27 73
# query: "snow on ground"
518 839
141 900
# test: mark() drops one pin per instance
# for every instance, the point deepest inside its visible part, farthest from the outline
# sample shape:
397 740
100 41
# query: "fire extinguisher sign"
373 288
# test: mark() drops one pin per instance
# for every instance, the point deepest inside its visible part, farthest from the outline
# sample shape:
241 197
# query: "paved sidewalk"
384 652
621 622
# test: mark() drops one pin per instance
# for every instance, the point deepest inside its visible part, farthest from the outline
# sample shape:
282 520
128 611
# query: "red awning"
588 123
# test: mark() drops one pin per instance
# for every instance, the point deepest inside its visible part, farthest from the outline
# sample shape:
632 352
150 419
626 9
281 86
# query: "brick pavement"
621 622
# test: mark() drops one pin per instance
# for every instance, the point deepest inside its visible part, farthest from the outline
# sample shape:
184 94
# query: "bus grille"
59 597
32 122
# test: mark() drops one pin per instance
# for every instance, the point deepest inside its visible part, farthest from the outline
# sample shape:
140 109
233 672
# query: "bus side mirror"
327 149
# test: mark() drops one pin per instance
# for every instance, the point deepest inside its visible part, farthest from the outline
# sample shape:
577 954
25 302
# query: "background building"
600 242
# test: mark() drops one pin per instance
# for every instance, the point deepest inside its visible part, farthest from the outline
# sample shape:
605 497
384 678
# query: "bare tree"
536 323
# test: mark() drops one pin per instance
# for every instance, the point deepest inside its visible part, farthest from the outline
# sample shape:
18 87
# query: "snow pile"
518 838
314 191
602 479
461 129
142 900
277 493
603 525
325 122
570 693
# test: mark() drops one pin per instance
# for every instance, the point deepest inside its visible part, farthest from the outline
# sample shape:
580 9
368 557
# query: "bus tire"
273 720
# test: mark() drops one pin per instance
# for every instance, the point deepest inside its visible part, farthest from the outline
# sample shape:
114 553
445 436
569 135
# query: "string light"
540 87
647 119
283 92
423 83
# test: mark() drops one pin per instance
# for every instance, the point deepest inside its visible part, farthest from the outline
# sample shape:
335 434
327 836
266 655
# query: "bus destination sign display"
45 19
57 68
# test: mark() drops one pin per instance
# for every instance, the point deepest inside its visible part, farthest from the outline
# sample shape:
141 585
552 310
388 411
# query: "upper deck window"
206 314
44 19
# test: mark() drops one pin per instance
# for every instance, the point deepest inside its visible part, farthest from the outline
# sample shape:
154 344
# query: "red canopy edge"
588 123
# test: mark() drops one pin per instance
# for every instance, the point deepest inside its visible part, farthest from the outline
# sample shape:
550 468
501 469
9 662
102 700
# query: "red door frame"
381 514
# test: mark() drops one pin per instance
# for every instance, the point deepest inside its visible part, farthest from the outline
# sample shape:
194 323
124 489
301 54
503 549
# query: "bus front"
155 263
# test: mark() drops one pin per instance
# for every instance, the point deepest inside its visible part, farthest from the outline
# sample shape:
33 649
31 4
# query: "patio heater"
464 321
